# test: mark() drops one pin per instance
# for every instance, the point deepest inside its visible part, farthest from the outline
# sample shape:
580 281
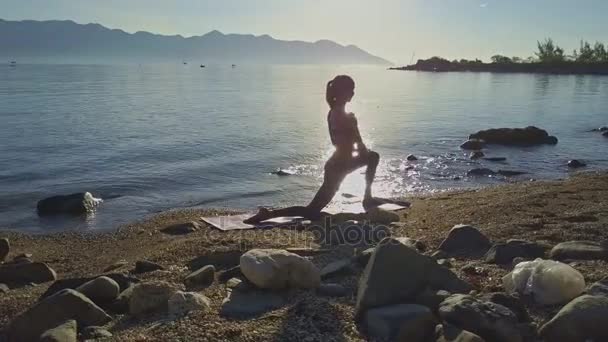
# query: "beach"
547 212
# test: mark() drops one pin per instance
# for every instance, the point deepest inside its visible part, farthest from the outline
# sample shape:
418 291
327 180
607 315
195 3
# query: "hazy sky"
392 29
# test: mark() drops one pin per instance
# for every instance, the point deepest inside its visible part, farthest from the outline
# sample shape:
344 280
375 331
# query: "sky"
394 29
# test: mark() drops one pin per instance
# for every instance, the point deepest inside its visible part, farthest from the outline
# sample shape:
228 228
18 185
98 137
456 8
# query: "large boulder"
25 273
53 311
181 303
491 321
200 278
580 250
5 248
504 253
65 332
74 204
404 322
528 136
465 241
473 144
151 297
102 290
576 164
279 269
599 288
123 280
583 319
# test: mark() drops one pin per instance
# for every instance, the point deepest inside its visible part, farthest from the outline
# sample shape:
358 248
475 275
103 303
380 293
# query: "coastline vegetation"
549 58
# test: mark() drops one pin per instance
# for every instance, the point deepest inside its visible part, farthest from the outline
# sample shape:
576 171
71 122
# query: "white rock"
279 269
181 303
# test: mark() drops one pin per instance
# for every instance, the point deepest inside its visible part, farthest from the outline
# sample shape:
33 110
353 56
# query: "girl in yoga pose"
350 154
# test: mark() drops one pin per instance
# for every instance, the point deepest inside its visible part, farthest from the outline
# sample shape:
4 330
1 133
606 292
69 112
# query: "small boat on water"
13 63
234 65
202 65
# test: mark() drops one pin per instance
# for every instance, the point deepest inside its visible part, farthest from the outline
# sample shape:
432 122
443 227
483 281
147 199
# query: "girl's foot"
262 215
370 202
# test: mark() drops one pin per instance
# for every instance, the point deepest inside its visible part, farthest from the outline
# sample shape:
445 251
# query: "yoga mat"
235 222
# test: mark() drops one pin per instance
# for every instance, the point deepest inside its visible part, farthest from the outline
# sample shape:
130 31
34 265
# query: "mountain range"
56 41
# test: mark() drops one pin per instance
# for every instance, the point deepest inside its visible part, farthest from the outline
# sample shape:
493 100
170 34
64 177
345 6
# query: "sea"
149 138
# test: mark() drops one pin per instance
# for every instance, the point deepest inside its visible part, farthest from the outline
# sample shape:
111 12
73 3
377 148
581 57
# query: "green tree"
600 53
585 53
516 59
549 52
500 59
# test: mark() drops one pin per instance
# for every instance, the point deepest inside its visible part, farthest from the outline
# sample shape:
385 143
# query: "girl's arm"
357 136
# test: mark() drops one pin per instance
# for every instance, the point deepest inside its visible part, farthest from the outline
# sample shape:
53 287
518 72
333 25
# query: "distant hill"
66 40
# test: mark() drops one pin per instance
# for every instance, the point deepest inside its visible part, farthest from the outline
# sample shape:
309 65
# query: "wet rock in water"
599 288
94 333
182 228
449 333
504 253
580 250
279 269
404 322
181 303
145 266
510 301
332 290
583 319
412 157
283 173
473 144
336 267
465 241
4 288
102 290
476 155
601 129
25 273
5 248
528 136
220 259
201 278
574 164
64 332
491 321
250 304
74 204
605 134
495 159
480 172
53 311
123 280
150 297
510 173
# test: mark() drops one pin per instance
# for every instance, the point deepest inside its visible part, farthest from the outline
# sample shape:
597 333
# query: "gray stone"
411 157
306 252
599 288
279 269
226 275
5 248
102 290
4 288
473 144
250 304
510 301
332 290
121 304
580 250
123 280
94 333
201 278
182 228
476 155
116 265
404 322
150 297
26 273
74 204
181 303
504 253
450 333
445 263
528 136
145 266
65 332
465 241
441 278
583 319
53 311
575 164
336 267
491 321
431 298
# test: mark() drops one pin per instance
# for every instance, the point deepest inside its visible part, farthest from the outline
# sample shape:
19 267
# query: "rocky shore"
446 269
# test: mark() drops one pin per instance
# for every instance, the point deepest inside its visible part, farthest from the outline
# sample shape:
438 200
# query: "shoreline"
558 68
549 212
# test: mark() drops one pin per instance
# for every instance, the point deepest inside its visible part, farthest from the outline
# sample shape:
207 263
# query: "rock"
74 204
395 272
505 253
363 257
445 263
336 267
579 250
493 322
64 332
439 254
404 322
101 290
201 278
431 298
53 311
601 129
480 172
605 134
182 228
149 297
124 281
283 173
25 273
476 155
248 304
225 275
583 319
239 285
599 288
5 248
22 259
412 157
306 252
116 265
465 241
121 304
473 144
94 333
219 259
381 216
510 173
279 269
449 333
510 301
145 266
495 159
528 136
181 303
332 290
441 278
4 288
574 164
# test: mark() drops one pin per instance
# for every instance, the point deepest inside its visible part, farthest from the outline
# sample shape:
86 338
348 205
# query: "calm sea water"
150 138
